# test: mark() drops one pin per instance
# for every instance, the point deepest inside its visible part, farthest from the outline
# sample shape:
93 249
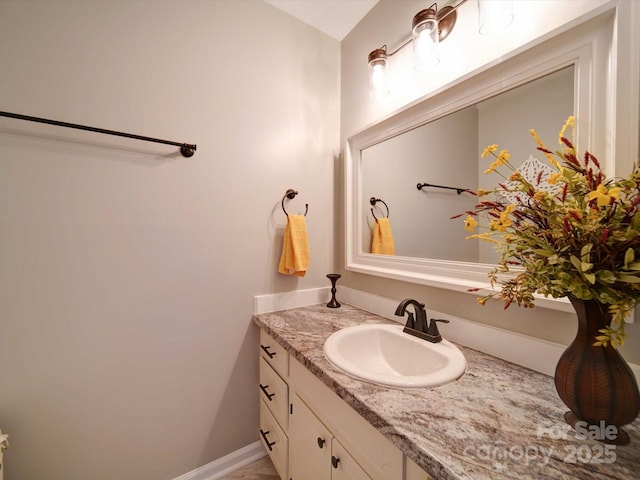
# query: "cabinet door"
344 467
309 445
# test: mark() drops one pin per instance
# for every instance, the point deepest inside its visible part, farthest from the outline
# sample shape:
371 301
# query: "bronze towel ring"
373 201
291 194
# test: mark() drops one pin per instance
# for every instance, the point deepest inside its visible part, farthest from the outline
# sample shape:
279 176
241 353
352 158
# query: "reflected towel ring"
373 201
291 194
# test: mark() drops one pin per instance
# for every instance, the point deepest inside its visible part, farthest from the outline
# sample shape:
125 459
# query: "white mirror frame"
606 100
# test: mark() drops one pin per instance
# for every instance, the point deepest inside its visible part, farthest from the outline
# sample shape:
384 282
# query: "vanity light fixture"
428 28
378 74
425 38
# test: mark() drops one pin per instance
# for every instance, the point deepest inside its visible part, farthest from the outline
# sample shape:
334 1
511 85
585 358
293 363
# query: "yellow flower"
535 136
484 236
552 160
489 149
470 223
615 192
603 195
545 150
553 178
503 157
569 123
501 224
497 226
539 195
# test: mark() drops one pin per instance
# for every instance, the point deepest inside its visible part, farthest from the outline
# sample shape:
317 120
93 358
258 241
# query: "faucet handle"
433 327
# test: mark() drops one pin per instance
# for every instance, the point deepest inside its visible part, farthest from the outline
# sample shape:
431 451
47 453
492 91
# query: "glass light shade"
378 74
425 39
495 15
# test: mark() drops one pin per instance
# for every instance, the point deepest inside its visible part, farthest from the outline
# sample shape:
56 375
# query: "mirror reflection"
446 153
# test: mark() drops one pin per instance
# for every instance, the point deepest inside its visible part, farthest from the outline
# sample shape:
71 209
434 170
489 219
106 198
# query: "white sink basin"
385 355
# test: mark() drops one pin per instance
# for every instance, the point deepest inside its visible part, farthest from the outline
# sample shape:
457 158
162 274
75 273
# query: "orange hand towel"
382 241
295 247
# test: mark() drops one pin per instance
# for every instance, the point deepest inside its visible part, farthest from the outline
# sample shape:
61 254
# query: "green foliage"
580 237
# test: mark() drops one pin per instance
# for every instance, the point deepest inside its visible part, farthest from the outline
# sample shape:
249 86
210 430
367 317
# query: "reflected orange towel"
382 241
295 247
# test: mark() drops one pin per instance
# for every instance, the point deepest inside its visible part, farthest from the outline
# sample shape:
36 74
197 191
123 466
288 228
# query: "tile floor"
259 470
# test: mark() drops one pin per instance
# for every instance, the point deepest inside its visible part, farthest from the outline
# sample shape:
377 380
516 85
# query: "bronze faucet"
418 326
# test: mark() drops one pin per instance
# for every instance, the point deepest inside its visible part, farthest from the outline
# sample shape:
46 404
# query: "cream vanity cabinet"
274 402
312 434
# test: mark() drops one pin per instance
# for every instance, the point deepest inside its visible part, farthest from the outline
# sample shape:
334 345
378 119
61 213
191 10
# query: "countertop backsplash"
534 353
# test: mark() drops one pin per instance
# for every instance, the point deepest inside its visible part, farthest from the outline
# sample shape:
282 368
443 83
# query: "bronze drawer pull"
264 390
266 350
266 440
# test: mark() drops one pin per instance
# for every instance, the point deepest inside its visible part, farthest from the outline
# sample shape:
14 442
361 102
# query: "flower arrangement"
569 231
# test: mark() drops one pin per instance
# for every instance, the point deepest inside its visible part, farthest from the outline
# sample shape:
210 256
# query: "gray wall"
127 271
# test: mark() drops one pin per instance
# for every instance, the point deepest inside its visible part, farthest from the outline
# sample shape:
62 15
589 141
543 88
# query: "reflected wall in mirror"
446 152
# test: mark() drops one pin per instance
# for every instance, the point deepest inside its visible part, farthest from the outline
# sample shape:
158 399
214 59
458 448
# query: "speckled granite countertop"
499 421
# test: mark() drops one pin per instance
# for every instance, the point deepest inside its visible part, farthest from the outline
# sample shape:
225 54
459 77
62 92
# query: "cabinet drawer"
274 353
274 393
274 440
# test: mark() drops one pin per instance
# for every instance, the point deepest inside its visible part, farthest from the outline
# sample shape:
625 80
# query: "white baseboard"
537 354
275 302
227 464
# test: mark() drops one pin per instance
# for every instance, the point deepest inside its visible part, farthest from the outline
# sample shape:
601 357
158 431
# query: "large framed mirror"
438 140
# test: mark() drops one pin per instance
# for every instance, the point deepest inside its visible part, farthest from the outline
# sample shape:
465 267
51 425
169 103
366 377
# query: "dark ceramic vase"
595 382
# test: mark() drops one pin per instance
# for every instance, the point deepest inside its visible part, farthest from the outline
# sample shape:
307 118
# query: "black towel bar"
458 190
187 150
